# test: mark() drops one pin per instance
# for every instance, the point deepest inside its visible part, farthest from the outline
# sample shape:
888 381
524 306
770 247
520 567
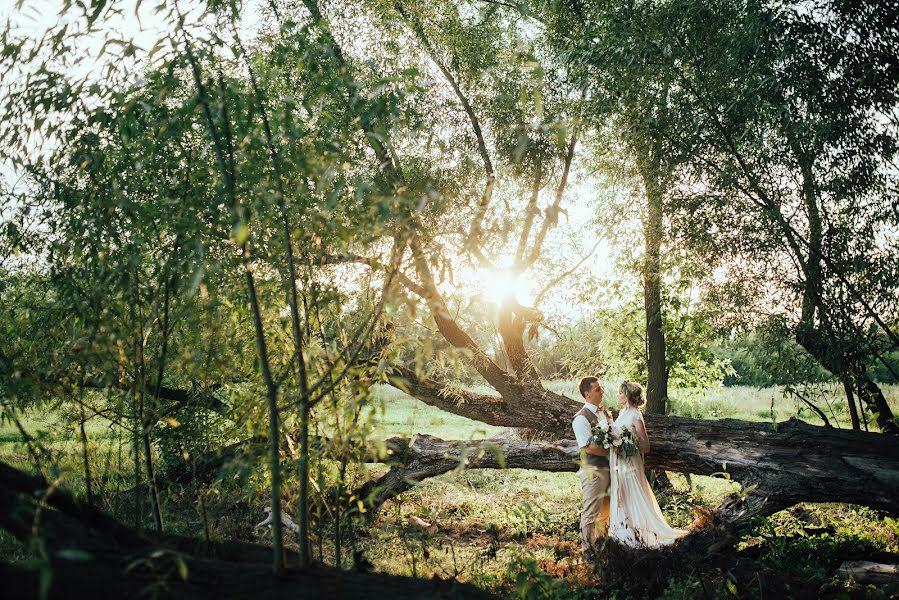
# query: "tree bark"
826 348
850 399
864 571
783 464
657 382
816 332
425 456
86 459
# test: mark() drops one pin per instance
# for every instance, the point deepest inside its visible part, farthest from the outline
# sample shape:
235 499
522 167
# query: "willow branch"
552 213
487 195
349 257
559 278
530 213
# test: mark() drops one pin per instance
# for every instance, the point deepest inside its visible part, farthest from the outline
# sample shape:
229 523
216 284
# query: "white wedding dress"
635 518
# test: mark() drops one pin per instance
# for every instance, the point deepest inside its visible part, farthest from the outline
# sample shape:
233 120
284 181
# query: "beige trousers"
595 513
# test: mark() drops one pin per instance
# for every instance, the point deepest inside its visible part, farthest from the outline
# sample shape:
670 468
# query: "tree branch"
530 213
552 212
559 278
472 239
426 456
348 257
448 326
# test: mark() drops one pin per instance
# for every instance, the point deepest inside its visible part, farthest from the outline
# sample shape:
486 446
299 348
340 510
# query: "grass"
405 416
506 529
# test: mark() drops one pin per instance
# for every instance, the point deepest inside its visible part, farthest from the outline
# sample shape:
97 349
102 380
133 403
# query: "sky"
32 18
140 23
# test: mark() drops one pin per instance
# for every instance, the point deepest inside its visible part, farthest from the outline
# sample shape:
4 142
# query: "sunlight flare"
497 285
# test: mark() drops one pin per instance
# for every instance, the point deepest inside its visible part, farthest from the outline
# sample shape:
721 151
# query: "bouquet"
614 437
602 435
626 443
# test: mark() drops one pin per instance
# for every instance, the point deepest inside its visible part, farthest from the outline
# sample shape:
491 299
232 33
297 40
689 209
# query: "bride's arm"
642 438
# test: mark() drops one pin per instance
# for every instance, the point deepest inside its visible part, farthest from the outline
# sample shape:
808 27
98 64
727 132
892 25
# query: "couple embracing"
618 502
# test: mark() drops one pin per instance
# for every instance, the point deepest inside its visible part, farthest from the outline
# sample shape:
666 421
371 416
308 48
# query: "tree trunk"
850 399
871 394
827 350
816 332
425 456
85 457
866 572
303 476
784 463
135 447
657 382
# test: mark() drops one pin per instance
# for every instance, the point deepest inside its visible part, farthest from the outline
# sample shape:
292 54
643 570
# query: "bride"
635 518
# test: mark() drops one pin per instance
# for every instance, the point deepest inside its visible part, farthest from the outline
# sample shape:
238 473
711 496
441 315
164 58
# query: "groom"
594 471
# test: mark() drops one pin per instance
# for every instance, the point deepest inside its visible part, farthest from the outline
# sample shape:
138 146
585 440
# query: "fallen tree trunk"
782 463
424 456
778 464
864 571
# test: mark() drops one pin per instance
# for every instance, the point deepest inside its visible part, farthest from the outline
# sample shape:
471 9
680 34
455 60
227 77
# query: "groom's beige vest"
598 462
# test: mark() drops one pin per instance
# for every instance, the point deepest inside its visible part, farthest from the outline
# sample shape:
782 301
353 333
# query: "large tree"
442 139
785 140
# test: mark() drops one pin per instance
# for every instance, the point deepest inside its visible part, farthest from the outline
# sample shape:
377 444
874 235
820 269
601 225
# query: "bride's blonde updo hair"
634 393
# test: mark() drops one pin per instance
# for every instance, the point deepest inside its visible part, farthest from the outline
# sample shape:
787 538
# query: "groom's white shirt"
581 425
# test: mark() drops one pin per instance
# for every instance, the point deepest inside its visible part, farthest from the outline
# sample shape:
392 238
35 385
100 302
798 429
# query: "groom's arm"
595 449
584 436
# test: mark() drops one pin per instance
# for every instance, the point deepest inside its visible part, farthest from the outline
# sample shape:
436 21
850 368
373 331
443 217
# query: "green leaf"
182 568
731 586
498 455
240 233
98 8
74 554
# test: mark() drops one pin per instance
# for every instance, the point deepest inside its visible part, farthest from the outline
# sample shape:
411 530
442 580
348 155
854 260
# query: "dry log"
783 463
779 463
425 456
864 571
787 463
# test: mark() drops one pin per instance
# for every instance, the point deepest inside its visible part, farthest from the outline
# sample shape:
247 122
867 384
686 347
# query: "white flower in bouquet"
601 436
627 443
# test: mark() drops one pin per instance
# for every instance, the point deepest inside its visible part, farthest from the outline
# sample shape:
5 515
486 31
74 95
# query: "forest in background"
345 260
